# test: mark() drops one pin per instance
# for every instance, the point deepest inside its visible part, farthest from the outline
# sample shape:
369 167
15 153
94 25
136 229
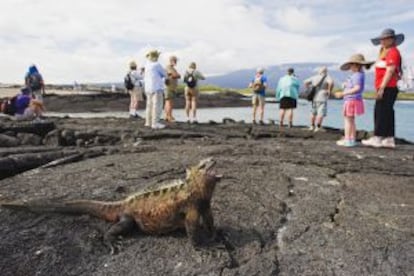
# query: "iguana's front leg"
192 225
125 224
208 223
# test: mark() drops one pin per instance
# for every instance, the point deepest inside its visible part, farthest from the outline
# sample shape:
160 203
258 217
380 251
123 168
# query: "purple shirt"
357 78
22 102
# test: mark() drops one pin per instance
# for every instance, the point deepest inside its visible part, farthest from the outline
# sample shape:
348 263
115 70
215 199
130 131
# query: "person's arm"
200 76
330 87
387 77
174 74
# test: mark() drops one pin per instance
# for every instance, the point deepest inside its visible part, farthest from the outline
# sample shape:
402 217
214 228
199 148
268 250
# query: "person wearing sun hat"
352 94
387 74
154 89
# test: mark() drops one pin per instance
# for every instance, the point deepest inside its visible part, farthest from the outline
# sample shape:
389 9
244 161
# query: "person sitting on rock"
26 107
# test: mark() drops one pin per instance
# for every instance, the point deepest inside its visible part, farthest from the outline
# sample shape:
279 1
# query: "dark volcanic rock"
8 141
290 202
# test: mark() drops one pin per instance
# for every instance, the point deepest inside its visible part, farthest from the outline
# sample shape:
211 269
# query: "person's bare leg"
281 117
290 116
194 108
261 112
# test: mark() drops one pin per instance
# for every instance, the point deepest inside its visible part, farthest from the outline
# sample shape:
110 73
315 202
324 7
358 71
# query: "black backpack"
35 81
129 84
9 106
190 80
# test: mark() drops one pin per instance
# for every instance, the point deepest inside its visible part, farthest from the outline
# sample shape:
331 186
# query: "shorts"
170 93
353 108
319 109
287 103
138 93
27 115
258 99
191 93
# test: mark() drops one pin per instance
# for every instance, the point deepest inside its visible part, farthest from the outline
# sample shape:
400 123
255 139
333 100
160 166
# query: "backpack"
9 106
258 85
190 80
35 81
129 84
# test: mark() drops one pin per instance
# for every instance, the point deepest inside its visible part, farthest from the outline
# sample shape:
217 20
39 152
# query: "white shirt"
136 78
153 78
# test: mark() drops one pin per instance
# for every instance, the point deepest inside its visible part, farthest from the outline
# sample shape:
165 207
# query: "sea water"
404 115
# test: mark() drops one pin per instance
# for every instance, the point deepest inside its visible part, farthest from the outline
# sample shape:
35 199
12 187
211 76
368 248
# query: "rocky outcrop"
290 202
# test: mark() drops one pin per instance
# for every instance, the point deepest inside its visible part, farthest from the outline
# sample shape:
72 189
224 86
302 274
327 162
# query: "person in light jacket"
287 93
154 90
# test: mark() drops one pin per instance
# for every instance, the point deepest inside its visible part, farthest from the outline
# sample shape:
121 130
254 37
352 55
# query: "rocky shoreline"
290 202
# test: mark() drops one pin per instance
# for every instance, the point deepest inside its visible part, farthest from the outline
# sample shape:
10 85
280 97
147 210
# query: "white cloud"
296 19
91 41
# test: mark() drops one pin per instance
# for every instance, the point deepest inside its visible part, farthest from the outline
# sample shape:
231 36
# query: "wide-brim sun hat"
356 59
386 33
153 54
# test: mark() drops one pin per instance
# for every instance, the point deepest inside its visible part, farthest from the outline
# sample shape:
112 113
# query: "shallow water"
404 114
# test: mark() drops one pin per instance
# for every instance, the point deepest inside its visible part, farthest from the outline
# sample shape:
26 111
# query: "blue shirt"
22 102
288 86
263 79
153 78
357 78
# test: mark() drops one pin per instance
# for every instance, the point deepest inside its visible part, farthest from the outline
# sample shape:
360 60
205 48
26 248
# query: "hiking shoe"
346 143
388 143
254 122
261 122
158 126
374 141
194 122
311 128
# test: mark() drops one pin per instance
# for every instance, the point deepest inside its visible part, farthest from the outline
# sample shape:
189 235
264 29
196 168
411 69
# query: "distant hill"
241 78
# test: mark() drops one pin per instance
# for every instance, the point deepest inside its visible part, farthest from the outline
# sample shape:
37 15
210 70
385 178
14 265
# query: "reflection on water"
404 113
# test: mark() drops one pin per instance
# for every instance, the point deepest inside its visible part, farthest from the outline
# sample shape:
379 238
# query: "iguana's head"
202 177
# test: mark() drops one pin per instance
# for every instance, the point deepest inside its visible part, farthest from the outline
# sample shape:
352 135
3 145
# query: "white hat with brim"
356 59
399 38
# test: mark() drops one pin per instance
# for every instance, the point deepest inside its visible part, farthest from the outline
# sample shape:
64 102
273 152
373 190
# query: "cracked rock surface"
290 203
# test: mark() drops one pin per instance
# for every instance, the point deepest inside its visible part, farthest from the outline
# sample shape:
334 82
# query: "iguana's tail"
109 211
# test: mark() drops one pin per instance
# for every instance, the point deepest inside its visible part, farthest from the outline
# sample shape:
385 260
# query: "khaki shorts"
258 99
137 92
191 93
170 93
319 109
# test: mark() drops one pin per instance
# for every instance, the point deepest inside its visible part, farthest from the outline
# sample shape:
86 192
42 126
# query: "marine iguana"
184 204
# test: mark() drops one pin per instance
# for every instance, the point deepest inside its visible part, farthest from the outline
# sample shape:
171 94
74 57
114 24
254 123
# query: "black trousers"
384 115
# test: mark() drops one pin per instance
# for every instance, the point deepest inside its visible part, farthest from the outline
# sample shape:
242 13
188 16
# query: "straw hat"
399 38
356 59
153 54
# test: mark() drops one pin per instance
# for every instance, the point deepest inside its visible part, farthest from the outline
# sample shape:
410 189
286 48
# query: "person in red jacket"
387 74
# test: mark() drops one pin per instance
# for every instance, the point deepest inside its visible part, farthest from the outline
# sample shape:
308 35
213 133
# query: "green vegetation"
404 96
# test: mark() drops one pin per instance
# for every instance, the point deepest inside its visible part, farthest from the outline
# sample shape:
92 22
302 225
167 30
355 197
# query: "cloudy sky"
93 41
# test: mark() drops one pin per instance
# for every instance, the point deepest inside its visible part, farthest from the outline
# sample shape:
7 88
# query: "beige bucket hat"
356 59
